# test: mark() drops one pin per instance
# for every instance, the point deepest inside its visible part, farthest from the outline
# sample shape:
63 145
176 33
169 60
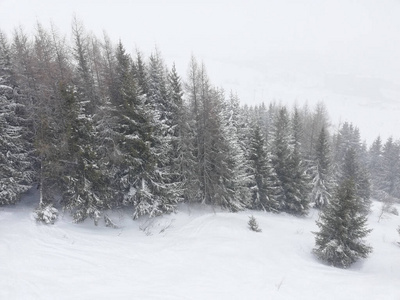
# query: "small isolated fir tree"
342 229
253 224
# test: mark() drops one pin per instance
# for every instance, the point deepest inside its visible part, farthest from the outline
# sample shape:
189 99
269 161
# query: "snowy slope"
197 253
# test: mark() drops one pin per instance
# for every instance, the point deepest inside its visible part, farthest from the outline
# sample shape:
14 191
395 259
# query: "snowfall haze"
343 53
124 176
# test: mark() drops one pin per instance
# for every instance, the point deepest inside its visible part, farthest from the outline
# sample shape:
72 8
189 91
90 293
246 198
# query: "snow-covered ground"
197 253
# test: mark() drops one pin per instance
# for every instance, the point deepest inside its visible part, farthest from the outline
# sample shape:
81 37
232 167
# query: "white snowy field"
197 253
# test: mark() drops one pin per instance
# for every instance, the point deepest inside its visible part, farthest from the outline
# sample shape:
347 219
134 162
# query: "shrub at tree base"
48 214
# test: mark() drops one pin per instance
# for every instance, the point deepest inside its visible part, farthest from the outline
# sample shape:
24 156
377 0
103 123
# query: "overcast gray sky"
342 52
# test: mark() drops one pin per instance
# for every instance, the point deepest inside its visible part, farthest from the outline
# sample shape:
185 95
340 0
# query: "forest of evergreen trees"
95 128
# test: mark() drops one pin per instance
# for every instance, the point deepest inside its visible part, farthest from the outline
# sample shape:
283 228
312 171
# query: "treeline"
95 128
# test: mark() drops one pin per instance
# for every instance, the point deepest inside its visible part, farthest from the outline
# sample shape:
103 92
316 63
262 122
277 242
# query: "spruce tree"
265 186
375 164
390 179
342 229
352 170
135 162
237 163
322 177
181 156
82 182
288 164
300 190
163 125
16 163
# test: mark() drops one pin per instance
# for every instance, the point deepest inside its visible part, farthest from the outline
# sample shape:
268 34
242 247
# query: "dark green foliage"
342 229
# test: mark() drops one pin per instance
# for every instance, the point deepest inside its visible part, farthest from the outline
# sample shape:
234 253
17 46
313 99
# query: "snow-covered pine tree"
139 176
342 229
218 166
351 170
238 179
135 162
281 151
193 188
139 73
16 163
390 179
287 161
39 68
213 180
82 181
313 122
301 181
162 107
375 164
265 186
350 162
323 184
181 157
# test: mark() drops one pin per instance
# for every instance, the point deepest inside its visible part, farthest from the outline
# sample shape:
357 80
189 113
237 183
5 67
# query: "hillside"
197 253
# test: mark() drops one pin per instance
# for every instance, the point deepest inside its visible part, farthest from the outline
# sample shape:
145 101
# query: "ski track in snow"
198 253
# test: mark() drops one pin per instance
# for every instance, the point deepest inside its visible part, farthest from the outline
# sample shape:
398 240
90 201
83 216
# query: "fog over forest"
344 53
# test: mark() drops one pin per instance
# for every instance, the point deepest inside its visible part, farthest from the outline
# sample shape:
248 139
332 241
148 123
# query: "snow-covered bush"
109 222
253 224
47 214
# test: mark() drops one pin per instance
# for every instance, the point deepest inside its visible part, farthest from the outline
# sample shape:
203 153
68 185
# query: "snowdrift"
197 253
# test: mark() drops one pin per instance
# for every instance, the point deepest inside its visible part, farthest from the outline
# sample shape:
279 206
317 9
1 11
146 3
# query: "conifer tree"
375 164
193 188
82 181
322 178
390 180
181 156
213 181
221 168
161 107
266 189
135 160
237 179
342 229
288 163
138 175
300 179
350 157
351 170
16 163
